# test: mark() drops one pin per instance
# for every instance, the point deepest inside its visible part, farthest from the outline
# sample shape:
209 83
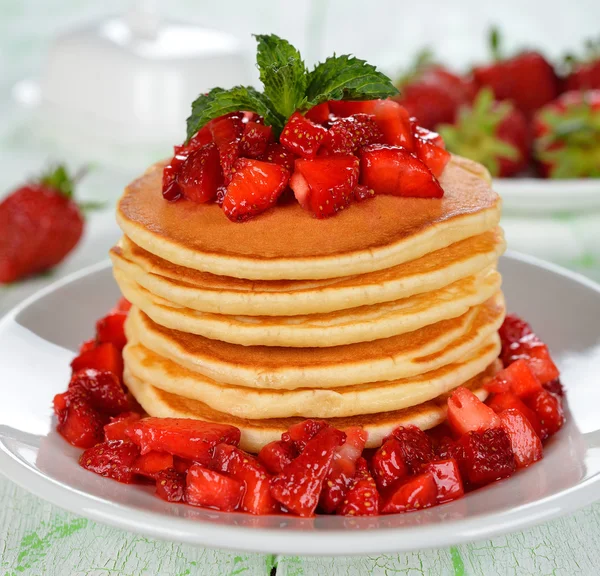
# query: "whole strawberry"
584 74
528 79
567 136
492 133
40 225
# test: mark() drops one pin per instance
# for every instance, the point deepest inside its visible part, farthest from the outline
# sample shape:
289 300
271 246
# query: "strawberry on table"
255 187
170 485
104 389
41 224
393 170
466 413
495 134
113 459
525 443
302 137
211 489
362 498
415 493
102 357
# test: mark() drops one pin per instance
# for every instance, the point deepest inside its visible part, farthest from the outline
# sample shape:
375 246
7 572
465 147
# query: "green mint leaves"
289 86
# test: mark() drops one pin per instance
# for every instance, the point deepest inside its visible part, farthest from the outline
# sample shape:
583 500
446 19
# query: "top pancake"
288 243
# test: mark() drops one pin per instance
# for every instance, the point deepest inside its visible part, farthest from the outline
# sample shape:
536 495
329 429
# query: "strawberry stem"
495 42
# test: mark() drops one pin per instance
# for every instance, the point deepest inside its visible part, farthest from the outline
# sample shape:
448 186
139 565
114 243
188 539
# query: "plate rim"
331 542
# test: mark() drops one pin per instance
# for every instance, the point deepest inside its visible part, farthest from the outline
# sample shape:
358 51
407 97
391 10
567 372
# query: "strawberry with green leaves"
567 136
41 224
492 133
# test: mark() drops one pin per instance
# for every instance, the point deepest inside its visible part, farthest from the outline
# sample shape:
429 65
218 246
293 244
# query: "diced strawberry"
170 187
87 346
466 413
344 108
361 193
201 174
114 459
299 486
362 498
275 456
200 138
187 438
103 357
170 485
257 497
152 463
302 137
278 154
556 387
342 469
388 464
516 378
427 135
255 139
347 135
104 389
319 113
300 434
439 434
539 360
394 170
181 464
79 423
487 455
211 489
115 429
447 479
434 157
394 122
526 444
415 493
415 446
451 449
111 329
549 410
507 401
326 184
226 134
255 186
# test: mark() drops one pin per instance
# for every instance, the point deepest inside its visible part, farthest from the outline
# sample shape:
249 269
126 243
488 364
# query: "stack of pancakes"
371 317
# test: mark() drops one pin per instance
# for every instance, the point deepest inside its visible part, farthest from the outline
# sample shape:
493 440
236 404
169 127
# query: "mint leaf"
282 72
220 101
346 78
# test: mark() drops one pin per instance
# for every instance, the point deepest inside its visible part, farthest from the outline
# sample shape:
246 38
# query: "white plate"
37 341
535 195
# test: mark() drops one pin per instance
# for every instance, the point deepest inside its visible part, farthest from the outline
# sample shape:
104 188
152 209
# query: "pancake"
262 403
257 433
288 243
284 368
209 293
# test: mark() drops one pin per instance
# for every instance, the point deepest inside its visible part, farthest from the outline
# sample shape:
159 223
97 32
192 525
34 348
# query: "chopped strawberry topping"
549 410
111 329
394 170
227 133
115 429
466 413
170 485
302 137
432 155
362 498
275 456
113 459
517 378
152 463
361 193
255 186
347 135
446 475
103 357
507 401
211 489
278 154
300 434
414 493
319 113
395 124
342 108
79 423
201 174
525 443
415 446
388 464
255 139
104 389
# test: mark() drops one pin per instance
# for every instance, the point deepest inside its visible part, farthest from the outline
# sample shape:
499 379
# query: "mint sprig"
289 86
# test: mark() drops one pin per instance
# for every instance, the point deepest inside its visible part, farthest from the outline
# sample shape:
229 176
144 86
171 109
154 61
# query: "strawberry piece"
123 305
388 464
432 155
275 456
415 493
211 489
556 387
255 139
300 434
394 122
170 485
509 401
251 473
113 459
301 136
439 434
487 455
152 463
79 423
326 184
201 174
170 187
342 469
415 446
181 464
347 135
103 357
111 329
255 186
362 498
115 429
192 439
446 475
299 486
41 224
466 413
525 443
319 113
517 378
277 154
428 135
227 133
394 170
361 193
549 410
343 108
87 346
105 391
